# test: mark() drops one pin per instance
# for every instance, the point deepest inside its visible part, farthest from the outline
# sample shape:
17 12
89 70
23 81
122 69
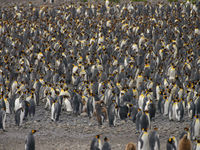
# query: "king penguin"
30 141
171 144
106 145
197 145
55 111
195 127
185 143
19 116
130 146
96 143
2 118
143 141
154 141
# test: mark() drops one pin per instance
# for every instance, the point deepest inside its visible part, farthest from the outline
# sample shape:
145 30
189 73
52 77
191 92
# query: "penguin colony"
111 61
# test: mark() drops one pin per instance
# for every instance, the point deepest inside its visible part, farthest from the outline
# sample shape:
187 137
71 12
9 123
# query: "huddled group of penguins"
127 61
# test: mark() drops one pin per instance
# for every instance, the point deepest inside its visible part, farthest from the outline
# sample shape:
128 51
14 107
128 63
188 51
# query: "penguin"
30 141
166 106
19 116
2 118
132 115
195 127
145 121
185 143
112 112
106 145
55 111
180 111
96 143
197 145
170 111
185 132
90 106
138 118
171 144
123 112
143 141
67 104
31 107
191 109
154 141
130 146
101 112
151 109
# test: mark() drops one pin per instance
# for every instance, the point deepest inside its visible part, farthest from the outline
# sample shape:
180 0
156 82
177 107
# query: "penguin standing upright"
185 132
143 141
195 127
145 120
172 143
31 110
138 118
123 112
112 112
197 145
90 107
55 111
130 146
185 143
106 145
154 141
30 141
2 118
191 109
96 143
19 116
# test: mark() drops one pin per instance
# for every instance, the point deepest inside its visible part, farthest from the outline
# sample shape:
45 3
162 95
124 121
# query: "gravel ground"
75 133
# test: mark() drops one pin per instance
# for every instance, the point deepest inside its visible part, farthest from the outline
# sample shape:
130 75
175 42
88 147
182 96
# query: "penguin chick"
96 143
185 143
106 145
101 112
30 141
130 146
185 132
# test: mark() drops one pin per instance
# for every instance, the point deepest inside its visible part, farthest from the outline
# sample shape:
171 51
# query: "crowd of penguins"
127 61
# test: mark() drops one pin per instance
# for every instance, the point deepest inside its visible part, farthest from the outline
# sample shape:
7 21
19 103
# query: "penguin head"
98 136
106 139
186 129
144 130
33 131
170 140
